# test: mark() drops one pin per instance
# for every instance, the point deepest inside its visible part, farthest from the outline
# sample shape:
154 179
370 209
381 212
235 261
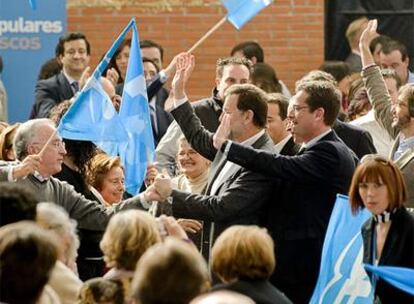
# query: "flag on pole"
342 278
135 116
402 278
92 116
241 11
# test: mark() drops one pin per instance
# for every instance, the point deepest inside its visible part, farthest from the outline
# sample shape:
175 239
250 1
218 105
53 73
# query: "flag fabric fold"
402 278
239 12
127 133
135 116
342 278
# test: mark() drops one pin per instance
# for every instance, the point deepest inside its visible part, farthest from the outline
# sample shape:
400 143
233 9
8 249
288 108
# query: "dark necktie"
75 86
153 119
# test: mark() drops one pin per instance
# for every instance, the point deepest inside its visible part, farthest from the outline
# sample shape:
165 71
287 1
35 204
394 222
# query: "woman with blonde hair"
243 258
6 142
106 176
128 235
388 235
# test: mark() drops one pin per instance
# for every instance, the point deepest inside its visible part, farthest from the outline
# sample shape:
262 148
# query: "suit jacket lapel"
216 166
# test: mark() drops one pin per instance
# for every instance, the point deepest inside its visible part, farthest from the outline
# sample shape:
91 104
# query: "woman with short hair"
243 258
388 235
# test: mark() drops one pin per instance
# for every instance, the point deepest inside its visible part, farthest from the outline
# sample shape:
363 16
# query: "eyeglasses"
298 108
374 157
57 143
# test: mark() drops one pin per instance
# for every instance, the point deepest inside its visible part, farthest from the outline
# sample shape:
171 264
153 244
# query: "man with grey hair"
29 140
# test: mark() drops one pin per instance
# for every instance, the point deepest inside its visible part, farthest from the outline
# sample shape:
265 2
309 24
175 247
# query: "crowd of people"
236 206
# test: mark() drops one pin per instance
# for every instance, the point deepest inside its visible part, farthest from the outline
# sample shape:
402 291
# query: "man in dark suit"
299 216
231 190
73 51
277 124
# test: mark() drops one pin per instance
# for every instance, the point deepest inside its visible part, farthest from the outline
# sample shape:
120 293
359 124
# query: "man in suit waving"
232 191
299 216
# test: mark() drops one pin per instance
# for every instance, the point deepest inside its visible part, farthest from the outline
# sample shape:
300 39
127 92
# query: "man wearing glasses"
307 184
73 51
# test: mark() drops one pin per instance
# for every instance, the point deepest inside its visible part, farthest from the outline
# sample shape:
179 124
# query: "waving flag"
93 116
135 116
342 278
241 11
402 278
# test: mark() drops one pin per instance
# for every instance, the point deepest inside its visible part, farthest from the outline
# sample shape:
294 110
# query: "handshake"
159 188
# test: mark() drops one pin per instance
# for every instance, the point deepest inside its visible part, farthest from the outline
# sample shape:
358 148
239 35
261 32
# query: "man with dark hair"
73 51
229 71
153 51
394 56
307 184
231 192
277 124
16 204
250 50
376 46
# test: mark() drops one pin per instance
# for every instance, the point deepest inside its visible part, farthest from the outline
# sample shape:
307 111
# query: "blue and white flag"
402 278
342 278
241 11
135 116
92 116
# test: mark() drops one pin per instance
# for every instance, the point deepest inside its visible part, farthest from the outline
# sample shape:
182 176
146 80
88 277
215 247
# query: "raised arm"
374 82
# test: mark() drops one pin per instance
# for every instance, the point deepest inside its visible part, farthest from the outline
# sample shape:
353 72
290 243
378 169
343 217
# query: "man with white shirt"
234 195
381 139
394 55
277 106
73 51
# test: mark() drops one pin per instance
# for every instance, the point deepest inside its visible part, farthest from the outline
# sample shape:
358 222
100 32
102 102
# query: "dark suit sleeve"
316 164
365 145
198 137
239 197
46 98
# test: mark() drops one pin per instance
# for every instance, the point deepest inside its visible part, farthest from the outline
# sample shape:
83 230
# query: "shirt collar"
279 146
70 79
251 140
315 139
39 177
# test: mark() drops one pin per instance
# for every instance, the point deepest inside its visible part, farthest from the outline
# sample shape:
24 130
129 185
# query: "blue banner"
27 39
342 278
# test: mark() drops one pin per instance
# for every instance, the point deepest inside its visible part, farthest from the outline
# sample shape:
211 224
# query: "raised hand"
223 131
150 175
184 67
113 76
366 37
368 34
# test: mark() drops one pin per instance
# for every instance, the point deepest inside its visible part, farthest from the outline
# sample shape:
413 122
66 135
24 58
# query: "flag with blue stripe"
135 116
241 11
342 278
